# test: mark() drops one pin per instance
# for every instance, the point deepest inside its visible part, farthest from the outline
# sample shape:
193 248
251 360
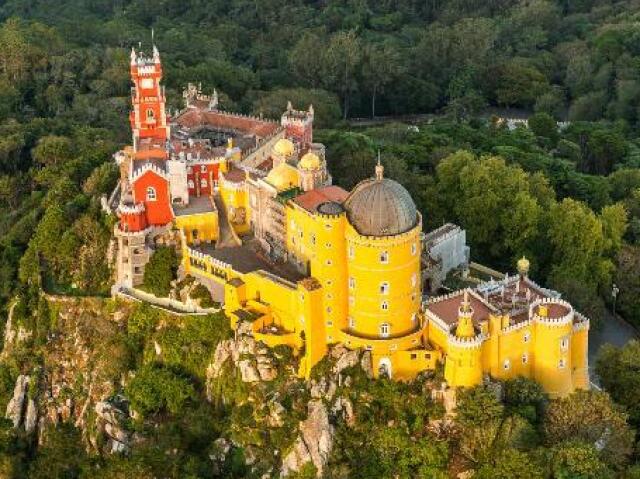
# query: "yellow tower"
383 259
463 364
553 319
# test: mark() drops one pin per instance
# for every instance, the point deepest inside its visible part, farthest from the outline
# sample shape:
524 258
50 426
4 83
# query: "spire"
156 54
311 111
289 106
213 103
133 56
379 169
465 328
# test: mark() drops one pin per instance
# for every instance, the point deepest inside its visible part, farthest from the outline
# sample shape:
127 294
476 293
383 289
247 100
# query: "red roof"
244 124
312 199
447 309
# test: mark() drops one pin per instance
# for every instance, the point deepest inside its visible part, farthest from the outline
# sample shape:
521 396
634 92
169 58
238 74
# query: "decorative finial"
289 106
379 169
311 110
133 56
523 267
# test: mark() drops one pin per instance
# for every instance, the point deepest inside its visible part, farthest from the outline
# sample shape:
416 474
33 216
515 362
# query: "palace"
252 208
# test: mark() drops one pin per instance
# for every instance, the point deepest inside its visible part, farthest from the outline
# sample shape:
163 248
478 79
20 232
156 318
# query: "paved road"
614 331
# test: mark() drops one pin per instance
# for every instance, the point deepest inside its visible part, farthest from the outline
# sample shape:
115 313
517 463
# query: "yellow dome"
310 161
523 266
284 147
283 177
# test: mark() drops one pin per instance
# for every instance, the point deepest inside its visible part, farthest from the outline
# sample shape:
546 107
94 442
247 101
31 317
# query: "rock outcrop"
16 407
314 441
111 416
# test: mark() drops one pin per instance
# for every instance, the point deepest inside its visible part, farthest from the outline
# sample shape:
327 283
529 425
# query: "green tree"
52 150
511 464
619 373
160 271
544 125
590 417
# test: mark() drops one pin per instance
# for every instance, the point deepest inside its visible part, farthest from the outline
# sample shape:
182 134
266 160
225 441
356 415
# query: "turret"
465 327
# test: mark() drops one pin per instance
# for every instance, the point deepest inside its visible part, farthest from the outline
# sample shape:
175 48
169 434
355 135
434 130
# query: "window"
385 306
327 226
564 344
203 168
525 358
203 183
352 252
414 248
330 324
562 363
384 257
384 288
414 280
527 337
352 283
313 239
150 114
414 356
329 309
352 322
384 330
329 263
191 185
327 244
301 234
506 365
329 282
151 194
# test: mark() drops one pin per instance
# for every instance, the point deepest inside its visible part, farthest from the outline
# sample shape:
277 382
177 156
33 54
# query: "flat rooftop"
196 206
249 258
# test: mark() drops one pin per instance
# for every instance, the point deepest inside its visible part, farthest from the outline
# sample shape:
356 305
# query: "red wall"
158 212
133 222
197 174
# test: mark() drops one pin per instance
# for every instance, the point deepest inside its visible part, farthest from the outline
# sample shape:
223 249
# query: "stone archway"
384 368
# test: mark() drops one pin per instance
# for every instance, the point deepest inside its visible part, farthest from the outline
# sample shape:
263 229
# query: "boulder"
218 455
343 408
347 359
366 364
276 414
16 404
314 441
248 372
222 353
31 417
323 389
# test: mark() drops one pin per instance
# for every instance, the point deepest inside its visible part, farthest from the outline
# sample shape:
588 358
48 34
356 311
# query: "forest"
567 197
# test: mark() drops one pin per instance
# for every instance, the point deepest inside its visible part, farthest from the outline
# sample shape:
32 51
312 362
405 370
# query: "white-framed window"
384 330
506 365
352 322
414 280
313 239
562 363
384 305
151 193
203 168
150 114
352 283
384 257
414 248
191 185
328 244
413 297
329 282
330 324
384 287
203 183
352 252
526 337
525 358
564 344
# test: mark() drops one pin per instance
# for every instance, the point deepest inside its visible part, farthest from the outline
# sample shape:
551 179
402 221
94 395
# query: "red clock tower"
148 117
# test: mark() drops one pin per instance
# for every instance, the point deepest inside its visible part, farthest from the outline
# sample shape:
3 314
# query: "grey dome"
330 208
381 207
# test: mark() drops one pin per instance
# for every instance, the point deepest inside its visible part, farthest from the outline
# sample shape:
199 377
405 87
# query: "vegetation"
566 196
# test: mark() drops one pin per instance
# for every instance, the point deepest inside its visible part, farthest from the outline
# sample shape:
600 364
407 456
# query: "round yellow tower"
553 320
383 259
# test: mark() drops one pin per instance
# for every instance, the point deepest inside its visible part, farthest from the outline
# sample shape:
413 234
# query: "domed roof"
284 147
309 161
381 207
283 177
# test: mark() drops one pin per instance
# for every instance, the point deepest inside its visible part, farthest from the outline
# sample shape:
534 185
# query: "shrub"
160 271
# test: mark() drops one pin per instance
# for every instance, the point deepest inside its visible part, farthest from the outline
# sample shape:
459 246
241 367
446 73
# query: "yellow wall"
366 273
234 199
206 225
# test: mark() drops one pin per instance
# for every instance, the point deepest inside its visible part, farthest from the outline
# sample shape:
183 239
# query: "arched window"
384 257
384 330
384 287
150 114
385 305
151 193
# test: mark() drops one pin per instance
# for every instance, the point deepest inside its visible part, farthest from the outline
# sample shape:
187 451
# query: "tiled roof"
244 124
447 309
312 199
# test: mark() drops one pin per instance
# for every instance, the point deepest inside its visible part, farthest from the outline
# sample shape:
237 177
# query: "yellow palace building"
319 266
